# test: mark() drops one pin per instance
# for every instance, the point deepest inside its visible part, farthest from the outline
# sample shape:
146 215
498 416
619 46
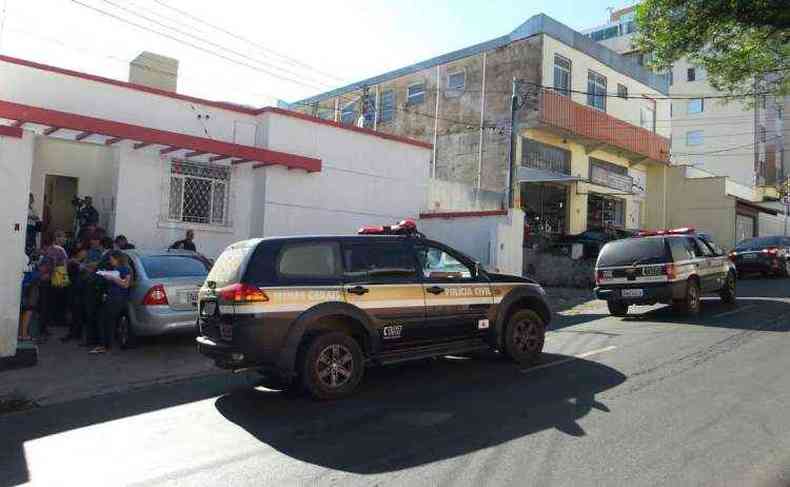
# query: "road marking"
570 359
728 313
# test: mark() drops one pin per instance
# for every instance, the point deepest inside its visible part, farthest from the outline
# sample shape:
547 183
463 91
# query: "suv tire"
689 305
727 293
617 308
332 366
525 334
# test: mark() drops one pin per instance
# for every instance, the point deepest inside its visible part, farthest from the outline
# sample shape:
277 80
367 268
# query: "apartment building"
584 158
742 139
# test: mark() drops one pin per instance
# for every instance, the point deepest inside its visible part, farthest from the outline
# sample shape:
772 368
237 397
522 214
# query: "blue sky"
326 42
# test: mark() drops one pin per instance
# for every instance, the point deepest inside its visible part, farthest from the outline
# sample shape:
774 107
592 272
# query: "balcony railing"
561 112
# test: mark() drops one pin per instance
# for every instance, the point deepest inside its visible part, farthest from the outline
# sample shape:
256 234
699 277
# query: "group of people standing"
84 285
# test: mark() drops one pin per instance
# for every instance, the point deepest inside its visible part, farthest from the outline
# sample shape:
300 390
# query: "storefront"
605 211
545 207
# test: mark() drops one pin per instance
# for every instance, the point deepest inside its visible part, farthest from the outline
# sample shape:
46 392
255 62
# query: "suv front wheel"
525 334
332 365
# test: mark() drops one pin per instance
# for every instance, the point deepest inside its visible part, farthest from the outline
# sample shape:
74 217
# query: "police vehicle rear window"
633 251
226 269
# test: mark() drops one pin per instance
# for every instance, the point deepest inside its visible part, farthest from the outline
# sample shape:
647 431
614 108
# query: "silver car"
163 296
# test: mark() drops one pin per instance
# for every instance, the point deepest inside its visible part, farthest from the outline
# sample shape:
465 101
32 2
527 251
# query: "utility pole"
518 101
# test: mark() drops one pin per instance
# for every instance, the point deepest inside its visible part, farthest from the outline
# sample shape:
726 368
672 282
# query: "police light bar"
404 227
681 231
674 231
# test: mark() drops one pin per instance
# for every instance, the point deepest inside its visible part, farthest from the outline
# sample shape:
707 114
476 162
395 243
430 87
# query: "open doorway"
59 213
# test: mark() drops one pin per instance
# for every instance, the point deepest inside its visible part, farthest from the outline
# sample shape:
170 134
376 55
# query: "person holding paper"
119 279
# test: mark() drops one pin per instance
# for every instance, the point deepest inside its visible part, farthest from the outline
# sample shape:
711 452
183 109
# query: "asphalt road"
653 399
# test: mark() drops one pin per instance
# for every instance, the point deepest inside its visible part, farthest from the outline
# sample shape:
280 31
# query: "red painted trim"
131 86
72 121
112 141
83 135
168 150
463 214
321 121
51 130
6 131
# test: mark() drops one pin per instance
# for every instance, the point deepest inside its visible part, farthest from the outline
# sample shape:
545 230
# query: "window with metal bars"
562 75
199 193
596 90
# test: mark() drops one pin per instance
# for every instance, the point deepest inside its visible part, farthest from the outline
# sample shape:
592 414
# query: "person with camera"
87 214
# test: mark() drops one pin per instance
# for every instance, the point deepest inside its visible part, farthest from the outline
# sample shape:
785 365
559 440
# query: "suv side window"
438 265
680 249
699 249
713 246
379 262
311 261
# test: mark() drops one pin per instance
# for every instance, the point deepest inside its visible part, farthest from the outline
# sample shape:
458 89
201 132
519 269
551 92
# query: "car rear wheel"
617 308
124 333
786 272
727 293
690 305
333 366
524 337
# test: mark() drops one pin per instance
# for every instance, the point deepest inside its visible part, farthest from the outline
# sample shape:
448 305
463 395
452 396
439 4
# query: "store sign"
599 174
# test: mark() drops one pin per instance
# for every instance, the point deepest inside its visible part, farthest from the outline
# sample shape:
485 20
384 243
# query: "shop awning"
89 129
532 175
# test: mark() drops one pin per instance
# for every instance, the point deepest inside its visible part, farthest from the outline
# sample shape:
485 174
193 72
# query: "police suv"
667 266
313 312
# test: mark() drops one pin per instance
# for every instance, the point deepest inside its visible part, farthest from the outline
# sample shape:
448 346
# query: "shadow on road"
415 414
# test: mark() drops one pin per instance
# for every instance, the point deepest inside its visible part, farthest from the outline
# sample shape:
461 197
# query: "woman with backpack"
53 281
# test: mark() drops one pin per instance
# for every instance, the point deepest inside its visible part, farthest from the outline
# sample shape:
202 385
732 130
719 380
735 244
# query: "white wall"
16 158
140 202
364 179
771 225
456 196
495 241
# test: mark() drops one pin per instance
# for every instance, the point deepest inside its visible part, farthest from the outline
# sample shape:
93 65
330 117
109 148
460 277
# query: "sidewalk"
67 372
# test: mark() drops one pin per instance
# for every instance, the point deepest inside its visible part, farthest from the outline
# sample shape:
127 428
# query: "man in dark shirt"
122 243
186 244
88 216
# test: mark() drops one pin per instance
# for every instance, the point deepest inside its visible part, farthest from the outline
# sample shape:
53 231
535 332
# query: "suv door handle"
435 290
358 290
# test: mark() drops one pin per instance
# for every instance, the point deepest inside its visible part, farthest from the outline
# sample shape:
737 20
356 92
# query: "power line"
211 43
248 41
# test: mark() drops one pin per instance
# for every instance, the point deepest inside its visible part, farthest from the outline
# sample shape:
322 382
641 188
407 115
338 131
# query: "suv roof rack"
404 227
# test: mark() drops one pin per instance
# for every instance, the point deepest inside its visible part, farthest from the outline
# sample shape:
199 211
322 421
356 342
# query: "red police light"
681 231
404 227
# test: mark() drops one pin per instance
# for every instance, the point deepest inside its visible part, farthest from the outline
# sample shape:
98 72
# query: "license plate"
749 256
190 297
209 308
633 293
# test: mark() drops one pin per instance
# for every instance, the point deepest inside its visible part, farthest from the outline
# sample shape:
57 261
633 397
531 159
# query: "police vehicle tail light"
771 251
156 296
601 276
670 271
242 293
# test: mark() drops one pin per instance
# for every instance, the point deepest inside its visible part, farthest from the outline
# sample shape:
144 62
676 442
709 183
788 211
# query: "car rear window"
226 269
633 251
163 266
759 243
319 260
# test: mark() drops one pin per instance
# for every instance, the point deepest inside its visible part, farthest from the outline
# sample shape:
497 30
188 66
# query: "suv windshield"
226 269
633 251
759 243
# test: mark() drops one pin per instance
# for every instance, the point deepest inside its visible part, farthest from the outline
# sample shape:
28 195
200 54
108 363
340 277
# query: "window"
379 262
691 74
436 264
603 211
626 252
622 91
387 103
416 94
562 75
348 115
456 81
702 248
695 137
697 105
547 157
607 33
199 193
596 90
629 27
762 133
226 269
680 249
711 245
647 119
320 260
165 266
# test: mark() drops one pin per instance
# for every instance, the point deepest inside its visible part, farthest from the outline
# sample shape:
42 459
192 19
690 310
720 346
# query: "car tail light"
771 251
670 271
733 255
156 296
242 293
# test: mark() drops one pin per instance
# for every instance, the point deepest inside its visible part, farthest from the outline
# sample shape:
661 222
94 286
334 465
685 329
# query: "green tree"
738 42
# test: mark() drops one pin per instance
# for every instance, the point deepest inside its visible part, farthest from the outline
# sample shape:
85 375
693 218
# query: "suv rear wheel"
727 293
617 308
332 366
691 303
524 337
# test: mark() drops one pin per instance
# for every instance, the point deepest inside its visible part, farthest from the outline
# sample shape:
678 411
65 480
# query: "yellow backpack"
60 277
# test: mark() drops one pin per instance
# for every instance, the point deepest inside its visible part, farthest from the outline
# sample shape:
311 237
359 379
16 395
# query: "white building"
157 163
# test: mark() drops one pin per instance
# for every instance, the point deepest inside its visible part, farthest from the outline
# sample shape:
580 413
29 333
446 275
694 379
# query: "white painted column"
16 163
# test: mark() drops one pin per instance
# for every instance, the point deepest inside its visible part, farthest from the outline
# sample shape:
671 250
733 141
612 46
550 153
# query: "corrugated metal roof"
535 25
